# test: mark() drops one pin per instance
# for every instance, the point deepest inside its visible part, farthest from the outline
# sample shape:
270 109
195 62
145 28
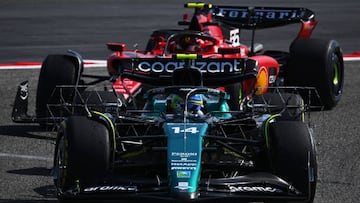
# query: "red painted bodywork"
306 29
205 25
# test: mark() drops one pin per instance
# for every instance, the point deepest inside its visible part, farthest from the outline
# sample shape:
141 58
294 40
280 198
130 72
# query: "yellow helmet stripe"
186 56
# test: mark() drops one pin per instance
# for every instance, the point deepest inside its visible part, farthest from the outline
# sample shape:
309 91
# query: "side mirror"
116 47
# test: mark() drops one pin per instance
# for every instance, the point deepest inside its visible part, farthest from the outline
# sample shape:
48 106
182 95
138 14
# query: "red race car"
211 43
214 32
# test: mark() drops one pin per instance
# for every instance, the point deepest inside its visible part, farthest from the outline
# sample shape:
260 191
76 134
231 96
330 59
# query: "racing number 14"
192 130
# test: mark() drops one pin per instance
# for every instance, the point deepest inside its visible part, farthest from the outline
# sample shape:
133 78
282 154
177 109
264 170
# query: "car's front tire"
290 106
55 70
293 155
82 153
102 101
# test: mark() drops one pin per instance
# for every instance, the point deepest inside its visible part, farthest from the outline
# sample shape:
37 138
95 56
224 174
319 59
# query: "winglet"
20 108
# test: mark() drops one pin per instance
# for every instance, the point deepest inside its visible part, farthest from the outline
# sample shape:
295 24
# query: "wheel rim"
337 76
60 165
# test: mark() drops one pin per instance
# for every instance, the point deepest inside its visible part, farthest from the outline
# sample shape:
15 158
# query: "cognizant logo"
229 66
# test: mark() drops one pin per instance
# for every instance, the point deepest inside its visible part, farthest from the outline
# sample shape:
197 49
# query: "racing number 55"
235 37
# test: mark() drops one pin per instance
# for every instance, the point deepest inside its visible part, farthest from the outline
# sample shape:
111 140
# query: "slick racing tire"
317 63
293 155
102 101
82 154
55 70
290 106
235 92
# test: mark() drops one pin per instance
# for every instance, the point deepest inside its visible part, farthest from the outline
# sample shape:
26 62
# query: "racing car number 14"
192 130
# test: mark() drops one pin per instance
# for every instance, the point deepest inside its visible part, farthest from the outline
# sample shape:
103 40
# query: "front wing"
251 187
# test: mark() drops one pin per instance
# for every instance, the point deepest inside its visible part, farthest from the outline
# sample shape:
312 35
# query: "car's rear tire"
294 156
102 101
55 70
317 63
235 92
82 153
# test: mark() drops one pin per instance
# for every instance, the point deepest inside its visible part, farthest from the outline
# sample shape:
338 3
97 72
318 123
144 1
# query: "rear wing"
258 17
212 72
261 17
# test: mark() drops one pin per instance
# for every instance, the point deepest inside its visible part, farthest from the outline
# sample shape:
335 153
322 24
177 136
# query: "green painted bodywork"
185 144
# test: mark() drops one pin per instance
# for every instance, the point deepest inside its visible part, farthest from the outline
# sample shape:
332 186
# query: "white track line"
18 67
351 58
20 156
87 64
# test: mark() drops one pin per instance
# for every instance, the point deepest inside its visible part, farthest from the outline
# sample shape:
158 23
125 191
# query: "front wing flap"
255 187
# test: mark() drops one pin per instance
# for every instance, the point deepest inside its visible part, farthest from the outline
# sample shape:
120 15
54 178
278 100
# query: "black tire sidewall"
283 103
87 148
291 142
96 100
55 70
311 64
235 92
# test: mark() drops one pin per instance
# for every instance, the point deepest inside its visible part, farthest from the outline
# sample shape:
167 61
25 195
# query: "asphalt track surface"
29 30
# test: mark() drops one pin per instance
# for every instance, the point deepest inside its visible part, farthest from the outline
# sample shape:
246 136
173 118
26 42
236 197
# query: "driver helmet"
187 44
194 104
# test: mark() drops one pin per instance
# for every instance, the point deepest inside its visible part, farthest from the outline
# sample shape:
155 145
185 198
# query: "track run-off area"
30 30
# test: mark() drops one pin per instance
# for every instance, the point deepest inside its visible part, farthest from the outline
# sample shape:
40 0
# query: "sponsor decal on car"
271 14
183 174
183 186
185 162
253 189
184 154
208 66
118 188
262 81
